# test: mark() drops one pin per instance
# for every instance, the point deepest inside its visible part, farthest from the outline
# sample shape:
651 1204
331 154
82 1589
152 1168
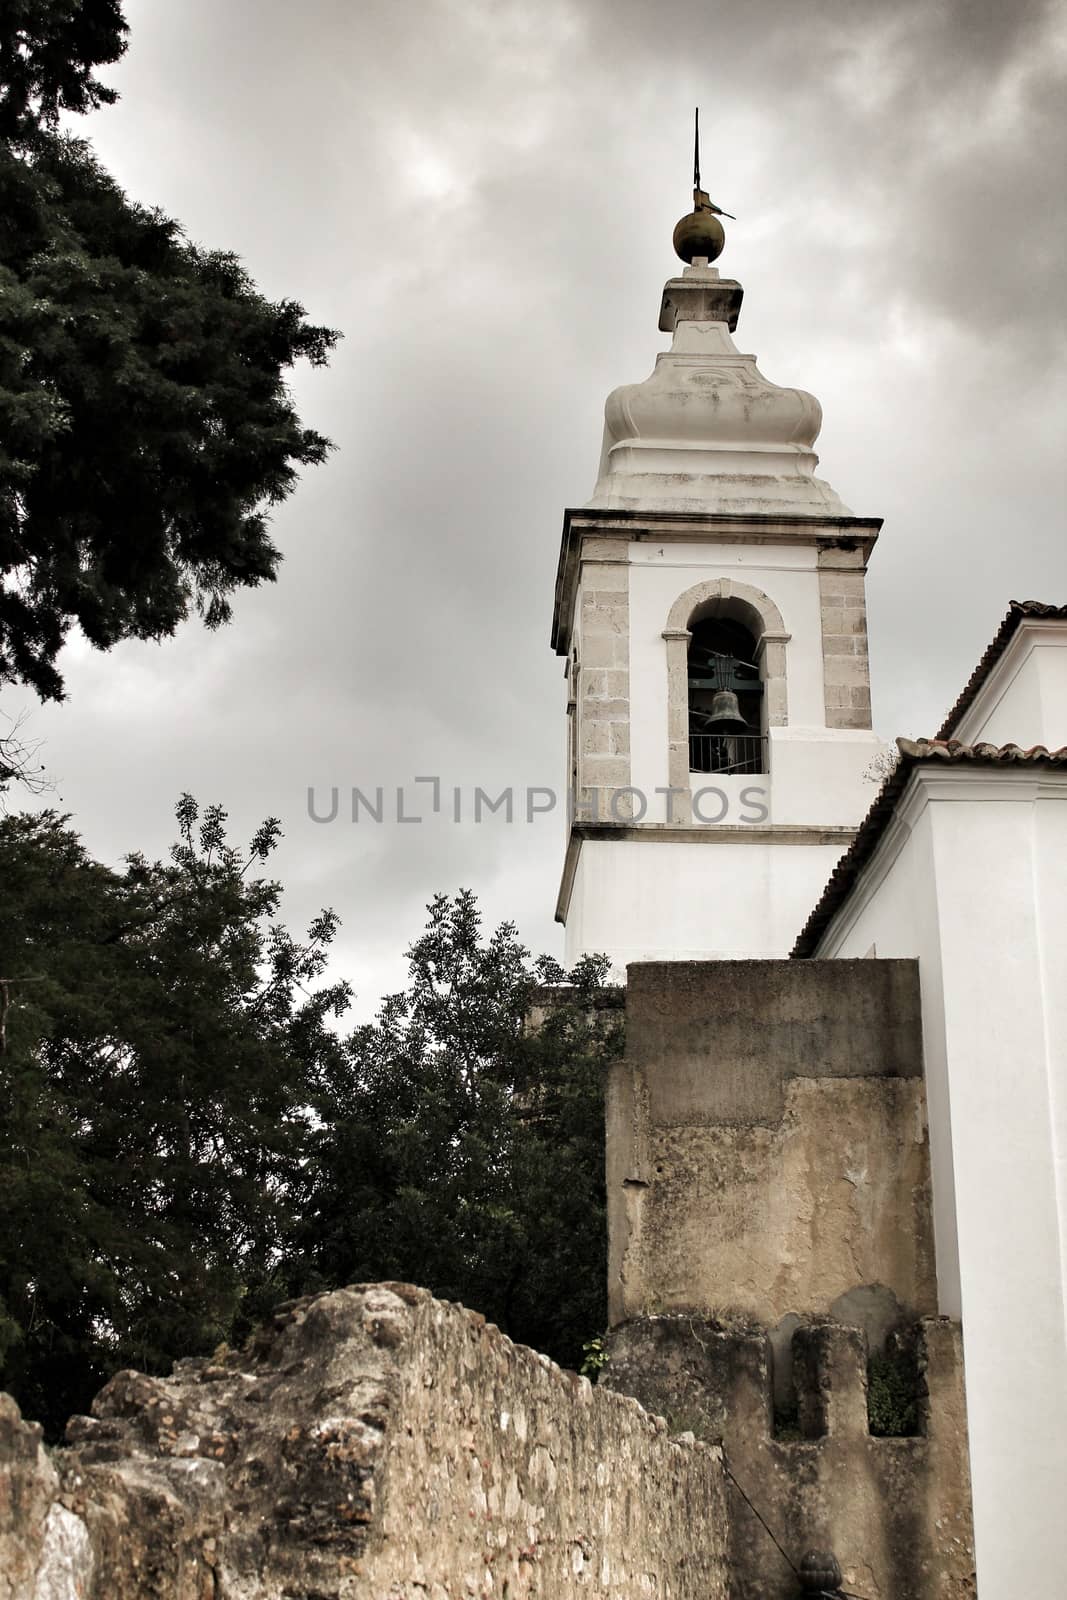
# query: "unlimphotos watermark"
403 803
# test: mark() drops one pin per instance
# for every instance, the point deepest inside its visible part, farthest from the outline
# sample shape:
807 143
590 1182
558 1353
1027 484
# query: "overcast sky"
481 194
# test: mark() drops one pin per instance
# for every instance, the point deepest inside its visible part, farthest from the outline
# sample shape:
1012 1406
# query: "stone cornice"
629 527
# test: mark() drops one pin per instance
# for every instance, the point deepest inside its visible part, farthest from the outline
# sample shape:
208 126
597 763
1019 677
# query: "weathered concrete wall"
767 1147
896 1511
374 1444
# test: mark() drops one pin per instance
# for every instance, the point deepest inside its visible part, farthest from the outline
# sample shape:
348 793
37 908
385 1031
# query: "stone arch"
720 597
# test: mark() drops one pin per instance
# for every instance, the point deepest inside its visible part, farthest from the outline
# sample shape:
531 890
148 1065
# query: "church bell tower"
710 609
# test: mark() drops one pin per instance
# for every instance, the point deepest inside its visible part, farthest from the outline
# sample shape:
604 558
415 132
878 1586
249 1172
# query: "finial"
700 233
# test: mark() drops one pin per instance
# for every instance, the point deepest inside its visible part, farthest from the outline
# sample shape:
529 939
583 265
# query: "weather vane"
700 235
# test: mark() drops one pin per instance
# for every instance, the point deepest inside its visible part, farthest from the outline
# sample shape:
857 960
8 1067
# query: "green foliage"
594 1359
462 1148
48 49
892 1395
159 1046
185 1138
145 423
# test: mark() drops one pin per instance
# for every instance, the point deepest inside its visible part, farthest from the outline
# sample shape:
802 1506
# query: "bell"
725 714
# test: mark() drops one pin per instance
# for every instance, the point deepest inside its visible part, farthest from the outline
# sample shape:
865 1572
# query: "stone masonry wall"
767 1145
604 673
372 1444
769 1228
896 1511
846 669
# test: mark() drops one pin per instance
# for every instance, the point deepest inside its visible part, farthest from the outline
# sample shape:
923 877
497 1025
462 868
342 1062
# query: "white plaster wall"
974 885
823 777
1024 700
896 915
817 773
1050 884
646 900
659 573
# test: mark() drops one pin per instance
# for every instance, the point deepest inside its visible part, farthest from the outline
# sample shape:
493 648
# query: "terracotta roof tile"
1017 611
913 752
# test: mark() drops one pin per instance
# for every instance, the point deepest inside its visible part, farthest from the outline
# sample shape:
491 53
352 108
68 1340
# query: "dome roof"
706 430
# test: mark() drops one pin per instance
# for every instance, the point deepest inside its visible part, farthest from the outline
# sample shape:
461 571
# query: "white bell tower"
710 607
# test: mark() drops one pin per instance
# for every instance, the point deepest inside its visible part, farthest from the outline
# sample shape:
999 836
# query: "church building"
839 1136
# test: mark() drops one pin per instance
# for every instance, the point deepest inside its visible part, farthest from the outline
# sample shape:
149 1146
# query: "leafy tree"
159 1046
48 49
185 1137
462 1147
145 424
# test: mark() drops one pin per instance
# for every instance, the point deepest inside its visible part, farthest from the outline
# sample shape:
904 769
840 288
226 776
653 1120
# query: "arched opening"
725 697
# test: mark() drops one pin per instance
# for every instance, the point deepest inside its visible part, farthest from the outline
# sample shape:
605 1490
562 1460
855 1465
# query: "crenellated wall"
770 1228
896 1511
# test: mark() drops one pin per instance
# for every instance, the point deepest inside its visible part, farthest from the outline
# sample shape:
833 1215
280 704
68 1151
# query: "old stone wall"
896 1511
373 1444
767 1144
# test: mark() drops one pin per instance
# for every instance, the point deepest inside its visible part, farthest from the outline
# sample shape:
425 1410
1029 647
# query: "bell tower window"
725 698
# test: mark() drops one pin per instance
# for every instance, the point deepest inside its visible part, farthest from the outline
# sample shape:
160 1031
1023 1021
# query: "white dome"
707 431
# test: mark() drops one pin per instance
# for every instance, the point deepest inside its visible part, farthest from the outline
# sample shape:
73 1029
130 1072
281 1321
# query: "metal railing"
727 752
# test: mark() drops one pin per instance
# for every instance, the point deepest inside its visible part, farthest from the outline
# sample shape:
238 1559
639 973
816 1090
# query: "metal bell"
725 714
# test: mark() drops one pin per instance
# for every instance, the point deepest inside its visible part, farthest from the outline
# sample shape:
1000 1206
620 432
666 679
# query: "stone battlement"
895 1510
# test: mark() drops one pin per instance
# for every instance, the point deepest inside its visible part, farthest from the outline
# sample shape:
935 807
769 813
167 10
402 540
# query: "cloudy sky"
481 194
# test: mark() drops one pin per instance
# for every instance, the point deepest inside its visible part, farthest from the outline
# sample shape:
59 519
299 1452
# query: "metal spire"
701 202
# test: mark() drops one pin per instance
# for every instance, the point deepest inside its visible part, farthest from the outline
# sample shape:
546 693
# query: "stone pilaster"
604 702
846 671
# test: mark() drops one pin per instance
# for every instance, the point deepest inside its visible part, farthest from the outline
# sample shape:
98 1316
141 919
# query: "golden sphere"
699 234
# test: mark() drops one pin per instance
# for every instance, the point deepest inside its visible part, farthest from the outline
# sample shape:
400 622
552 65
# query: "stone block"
611 710
608 577
604 614
606 772
849 670
841 584
599 650
830 1367
848 717
678 726
829 559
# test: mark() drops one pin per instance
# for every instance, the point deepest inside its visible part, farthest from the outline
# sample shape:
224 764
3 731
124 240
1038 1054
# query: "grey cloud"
482 196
